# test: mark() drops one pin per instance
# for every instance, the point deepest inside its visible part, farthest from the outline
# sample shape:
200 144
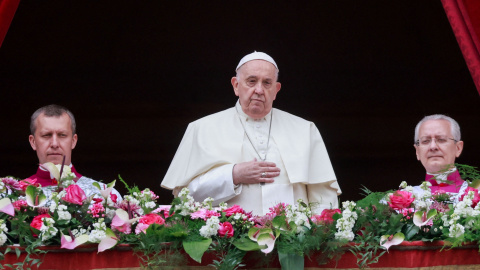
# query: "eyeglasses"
439 140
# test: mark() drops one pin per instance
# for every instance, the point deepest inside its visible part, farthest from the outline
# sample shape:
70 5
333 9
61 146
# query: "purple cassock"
453 184
43 177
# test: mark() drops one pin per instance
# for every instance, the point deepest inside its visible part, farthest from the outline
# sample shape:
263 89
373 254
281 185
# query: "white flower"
150 205
211 228
64 215
96 236
3 226
48 230
3 239
456 230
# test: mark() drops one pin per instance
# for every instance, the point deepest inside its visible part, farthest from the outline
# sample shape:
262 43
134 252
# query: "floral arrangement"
164 234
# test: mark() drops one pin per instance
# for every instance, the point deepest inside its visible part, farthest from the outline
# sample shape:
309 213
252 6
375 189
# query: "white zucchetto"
256 56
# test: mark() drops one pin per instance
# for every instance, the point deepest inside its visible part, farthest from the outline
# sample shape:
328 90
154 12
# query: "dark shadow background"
135 73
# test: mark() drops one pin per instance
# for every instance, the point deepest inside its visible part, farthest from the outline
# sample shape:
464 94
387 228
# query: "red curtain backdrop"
464 17
7 10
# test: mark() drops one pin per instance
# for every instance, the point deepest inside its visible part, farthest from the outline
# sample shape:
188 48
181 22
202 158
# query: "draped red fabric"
7 10
464 17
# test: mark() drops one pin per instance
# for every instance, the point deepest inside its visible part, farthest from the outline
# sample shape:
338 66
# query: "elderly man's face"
256 87
53 139
439 153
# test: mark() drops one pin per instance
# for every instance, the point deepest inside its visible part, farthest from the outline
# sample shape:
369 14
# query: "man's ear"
459 150
234 82
31 139
416 151
74 141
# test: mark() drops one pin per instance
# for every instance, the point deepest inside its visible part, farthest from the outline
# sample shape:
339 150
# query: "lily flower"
108 242
264 237
6 207
35 197
421 218
122 222
108 189
391 240
71 242
50 167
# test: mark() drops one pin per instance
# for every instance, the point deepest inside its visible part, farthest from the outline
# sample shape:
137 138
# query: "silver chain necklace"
246 133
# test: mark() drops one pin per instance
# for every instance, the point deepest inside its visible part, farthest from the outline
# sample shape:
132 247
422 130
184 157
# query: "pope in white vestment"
215 145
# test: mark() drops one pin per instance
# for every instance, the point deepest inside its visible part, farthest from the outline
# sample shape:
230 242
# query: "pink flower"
226 229
11 183
440 207
476 197
75 195
28 182
96 210
326 217
407 211
277 209
235 209
204 214
18 205
400 199
147 220
163 208
124 227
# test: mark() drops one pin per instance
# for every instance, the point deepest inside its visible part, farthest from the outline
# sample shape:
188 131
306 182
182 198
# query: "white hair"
454 127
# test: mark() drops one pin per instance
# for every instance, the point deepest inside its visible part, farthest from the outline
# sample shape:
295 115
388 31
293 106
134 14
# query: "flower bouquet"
32 216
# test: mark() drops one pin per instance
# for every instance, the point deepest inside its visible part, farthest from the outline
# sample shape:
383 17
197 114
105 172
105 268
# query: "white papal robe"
213 144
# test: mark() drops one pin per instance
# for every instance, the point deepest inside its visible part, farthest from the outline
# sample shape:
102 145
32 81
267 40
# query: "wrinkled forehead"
53 123
258 68
435 128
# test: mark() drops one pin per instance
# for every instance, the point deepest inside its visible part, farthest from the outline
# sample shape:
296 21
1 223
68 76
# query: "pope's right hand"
254 172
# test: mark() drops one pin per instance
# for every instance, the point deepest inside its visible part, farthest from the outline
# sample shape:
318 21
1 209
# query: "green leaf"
97 185
247 244
280 222
290 261
196 248
411 231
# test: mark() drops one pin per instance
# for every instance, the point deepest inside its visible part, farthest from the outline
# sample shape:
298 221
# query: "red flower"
326 217
476 196
226 229
151 218
235 209
37 222
75 195
28 182
114 197
400 199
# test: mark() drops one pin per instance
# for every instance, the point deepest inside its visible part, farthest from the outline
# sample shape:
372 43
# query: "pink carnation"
476 197
204 214
147 220
235 209
226 228
18 205
11 183
400 199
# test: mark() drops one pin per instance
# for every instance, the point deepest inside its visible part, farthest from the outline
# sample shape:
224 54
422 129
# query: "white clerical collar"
442 177
245 117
